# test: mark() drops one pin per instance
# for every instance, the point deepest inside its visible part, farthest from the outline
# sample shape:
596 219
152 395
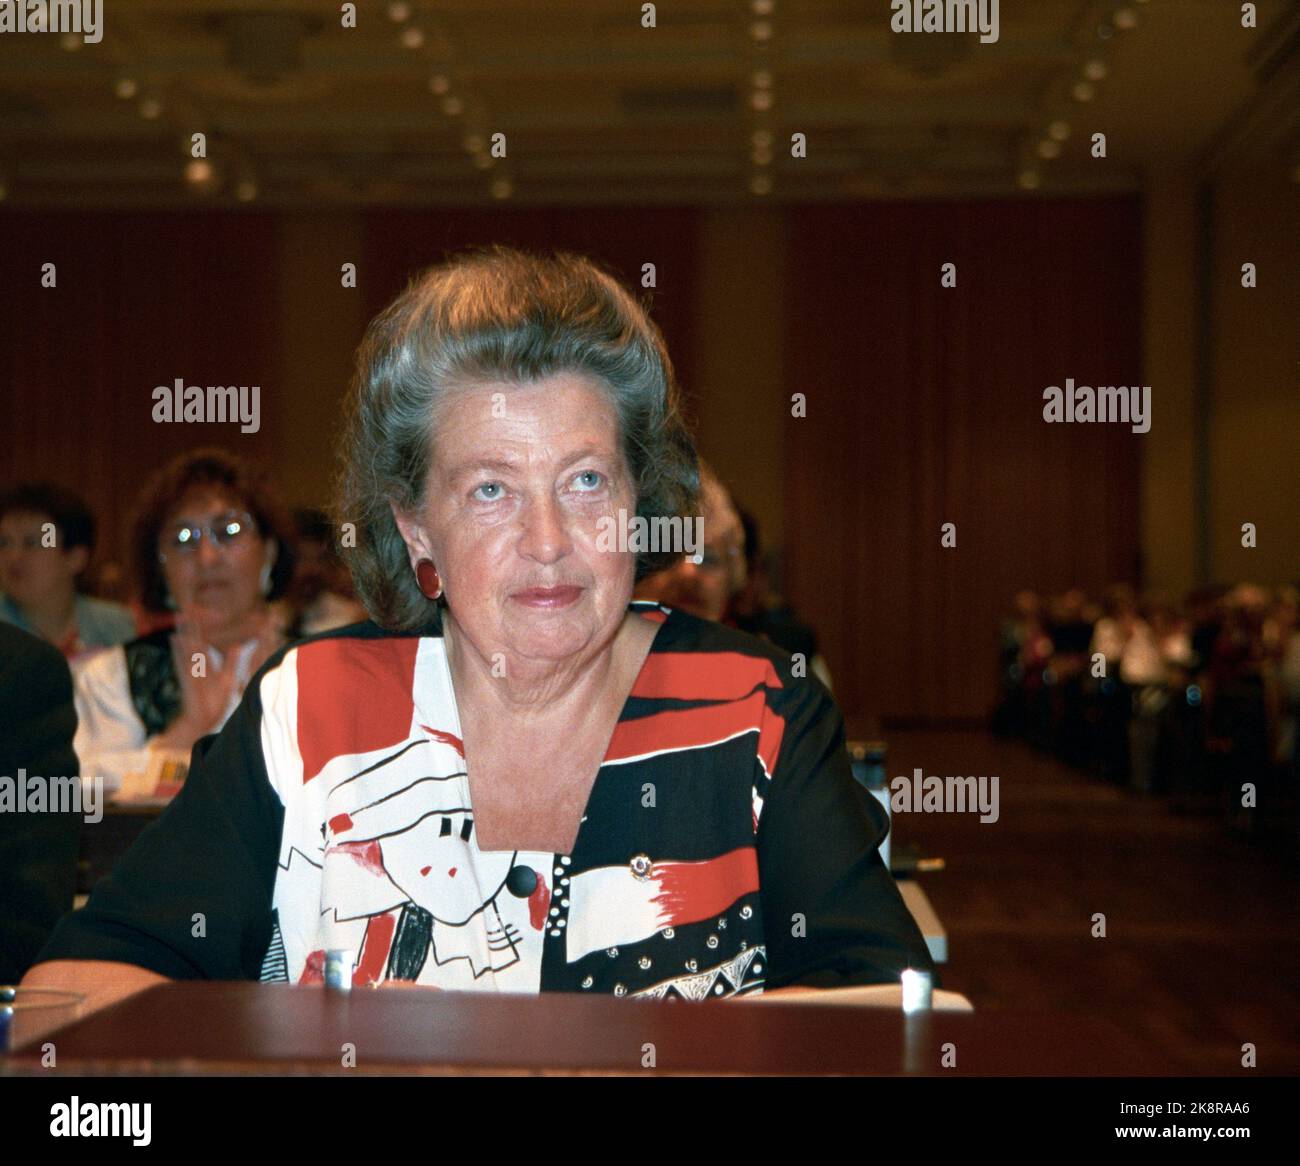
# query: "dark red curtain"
140 300
925 407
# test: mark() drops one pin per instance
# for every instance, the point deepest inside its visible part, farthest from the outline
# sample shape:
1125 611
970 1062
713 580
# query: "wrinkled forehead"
534 421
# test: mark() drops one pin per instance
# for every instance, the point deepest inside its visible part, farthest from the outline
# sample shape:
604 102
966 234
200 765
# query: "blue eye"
589 480
487 486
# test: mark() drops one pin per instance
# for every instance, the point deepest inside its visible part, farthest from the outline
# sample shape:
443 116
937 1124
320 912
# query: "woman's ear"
413 535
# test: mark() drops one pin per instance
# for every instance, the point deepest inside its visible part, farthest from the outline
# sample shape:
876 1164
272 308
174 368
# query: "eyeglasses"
712 559
232 529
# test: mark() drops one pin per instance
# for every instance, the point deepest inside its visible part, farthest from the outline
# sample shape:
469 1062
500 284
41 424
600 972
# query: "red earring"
427 575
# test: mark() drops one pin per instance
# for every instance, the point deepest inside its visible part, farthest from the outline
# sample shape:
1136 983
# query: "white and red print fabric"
379 856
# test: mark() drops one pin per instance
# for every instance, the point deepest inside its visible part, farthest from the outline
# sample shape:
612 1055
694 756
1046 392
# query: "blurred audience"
705 588
47 537
1196 701
758 608
320 597
731 582
212 547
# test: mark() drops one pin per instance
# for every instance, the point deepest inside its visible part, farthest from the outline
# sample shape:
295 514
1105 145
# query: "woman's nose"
208 551
545 534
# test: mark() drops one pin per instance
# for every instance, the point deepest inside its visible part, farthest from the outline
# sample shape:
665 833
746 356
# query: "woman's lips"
547 596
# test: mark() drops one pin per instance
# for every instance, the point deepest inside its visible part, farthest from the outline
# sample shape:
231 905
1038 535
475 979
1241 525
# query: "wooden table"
246 1028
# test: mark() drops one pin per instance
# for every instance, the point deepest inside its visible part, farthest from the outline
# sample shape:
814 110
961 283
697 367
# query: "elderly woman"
514 778
209 543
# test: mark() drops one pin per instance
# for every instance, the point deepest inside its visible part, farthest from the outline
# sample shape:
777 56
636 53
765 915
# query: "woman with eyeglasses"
211 546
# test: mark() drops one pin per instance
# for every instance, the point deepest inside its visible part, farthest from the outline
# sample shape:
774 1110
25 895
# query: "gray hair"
497 314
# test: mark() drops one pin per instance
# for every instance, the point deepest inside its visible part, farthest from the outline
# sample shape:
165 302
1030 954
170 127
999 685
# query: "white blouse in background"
111 742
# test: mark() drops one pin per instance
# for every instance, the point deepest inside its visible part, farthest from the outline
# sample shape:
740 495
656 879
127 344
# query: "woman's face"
216 583
33 572
521 477
705 588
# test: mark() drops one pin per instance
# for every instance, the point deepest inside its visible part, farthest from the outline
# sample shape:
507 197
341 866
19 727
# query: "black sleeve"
38 852
818 857
191 898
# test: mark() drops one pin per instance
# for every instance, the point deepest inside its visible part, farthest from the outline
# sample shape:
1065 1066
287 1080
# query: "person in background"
38 852
1283 641
1022 655
47 535
1238 722
321 596
705 588
1120 621
212 546
1072 617
758 609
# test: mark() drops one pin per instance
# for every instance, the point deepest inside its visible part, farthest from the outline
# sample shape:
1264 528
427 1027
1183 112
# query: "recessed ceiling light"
1082 91
198 172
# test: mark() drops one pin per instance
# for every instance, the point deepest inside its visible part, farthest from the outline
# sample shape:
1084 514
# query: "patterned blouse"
724 845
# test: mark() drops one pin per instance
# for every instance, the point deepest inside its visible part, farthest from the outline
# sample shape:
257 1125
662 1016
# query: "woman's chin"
548 635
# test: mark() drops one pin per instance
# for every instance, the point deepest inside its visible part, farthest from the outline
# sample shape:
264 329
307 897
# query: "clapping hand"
207 687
